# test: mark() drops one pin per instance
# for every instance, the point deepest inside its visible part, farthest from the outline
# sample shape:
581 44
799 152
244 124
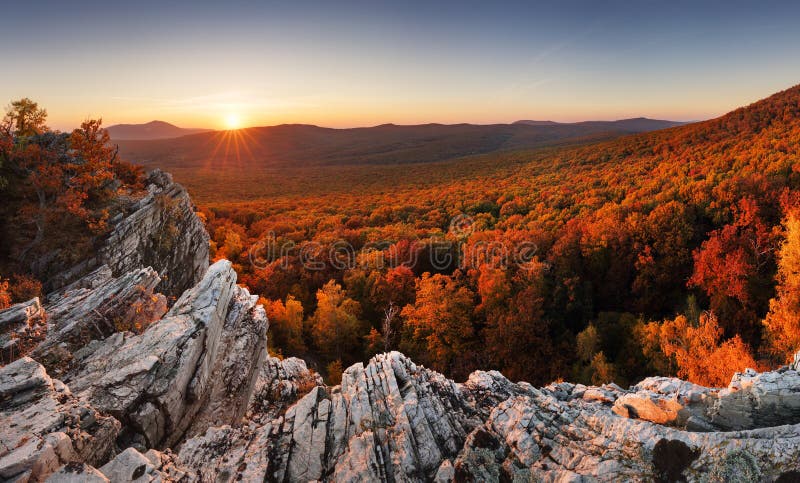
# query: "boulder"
667 401
281 382
43 426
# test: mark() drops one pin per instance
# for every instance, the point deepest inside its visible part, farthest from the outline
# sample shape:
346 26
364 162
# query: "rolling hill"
294 145
634 125
149 131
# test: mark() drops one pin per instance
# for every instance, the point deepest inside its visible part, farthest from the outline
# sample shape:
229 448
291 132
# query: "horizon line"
370 126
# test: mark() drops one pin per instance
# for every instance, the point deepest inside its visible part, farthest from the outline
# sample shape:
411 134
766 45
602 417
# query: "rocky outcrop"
552 434
236 368
99 306
22 327
388 420
93 307
394 421
161 382
43 425
194 368
198 380
160 231
754 400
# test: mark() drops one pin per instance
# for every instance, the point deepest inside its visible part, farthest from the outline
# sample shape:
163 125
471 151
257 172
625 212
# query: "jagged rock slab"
389 420
279 383
43 426
96 308
22 327
754 400
243 348
549 438
160 231
92 280
160 383
394 421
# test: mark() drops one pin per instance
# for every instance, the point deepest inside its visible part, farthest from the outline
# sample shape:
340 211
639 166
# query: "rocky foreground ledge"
187 393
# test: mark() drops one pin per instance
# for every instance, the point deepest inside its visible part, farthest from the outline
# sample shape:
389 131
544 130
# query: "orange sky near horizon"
215 111
355 63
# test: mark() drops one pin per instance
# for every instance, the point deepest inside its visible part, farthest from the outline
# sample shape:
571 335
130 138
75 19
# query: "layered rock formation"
96 307
392 420
160 231
43 425
196 364
22 327
122 388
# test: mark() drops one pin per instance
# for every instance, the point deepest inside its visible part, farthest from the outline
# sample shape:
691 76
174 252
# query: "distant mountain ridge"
636 124
149 131
304 144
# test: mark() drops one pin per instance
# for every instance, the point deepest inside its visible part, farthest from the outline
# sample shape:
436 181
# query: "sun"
233 121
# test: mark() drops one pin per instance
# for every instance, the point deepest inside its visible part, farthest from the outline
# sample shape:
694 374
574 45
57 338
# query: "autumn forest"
595 259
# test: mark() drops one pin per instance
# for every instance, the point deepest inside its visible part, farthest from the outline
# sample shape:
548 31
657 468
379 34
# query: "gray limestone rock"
280 383
183 368
390 419
394 421
43 426
160 231
95 308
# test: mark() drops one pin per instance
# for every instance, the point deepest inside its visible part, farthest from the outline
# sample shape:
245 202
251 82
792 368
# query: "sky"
362 63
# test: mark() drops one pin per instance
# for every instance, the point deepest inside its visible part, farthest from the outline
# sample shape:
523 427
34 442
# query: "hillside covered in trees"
669 252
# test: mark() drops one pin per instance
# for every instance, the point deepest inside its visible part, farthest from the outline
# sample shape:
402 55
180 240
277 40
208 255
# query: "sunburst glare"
233 121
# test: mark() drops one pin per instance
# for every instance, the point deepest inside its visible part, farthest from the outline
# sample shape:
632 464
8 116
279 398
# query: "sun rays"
235 147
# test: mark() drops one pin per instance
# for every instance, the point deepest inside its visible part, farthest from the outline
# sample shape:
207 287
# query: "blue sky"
365 63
